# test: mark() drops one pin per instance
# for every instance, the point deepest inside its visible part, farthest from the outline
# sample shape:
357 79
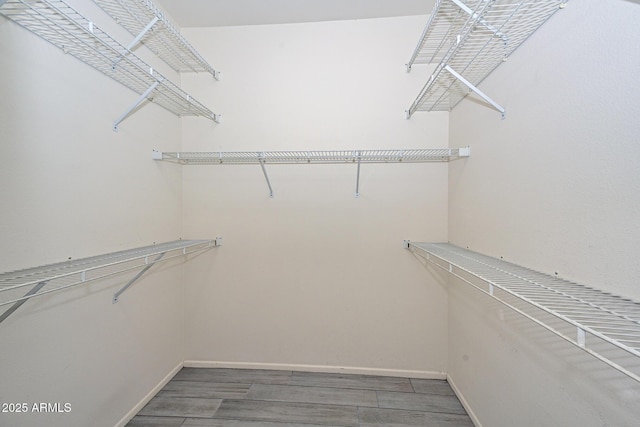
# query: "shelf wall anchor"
476 90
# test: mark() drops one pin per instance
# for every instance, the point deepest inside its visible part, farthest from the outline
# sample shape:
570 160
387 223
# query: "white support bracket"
581 337
135 41
116 296
264 171
17 304
134 106
475 17
359 157
144 31
476 90
464 151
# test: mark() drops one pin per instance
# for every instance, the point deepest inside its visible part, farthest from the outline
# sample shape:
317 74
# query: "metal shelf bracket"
135 41
142 33
478 19
16 305
116 296
480 93
359 157
264 171
135 105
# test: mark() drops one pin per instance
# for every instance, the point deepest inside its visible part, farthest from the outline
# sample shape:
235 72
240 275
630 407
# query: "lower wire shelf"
16 287
604 325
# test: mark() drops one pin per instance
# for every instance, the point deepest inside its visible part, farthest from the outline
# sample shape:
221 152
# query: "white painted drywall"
315 277
72 188
553 187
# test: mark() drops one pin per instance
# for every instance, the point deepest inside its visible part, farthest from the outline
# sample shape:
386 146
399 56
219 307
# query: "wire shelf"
144 20
472 38
18 286
605 325
298 157
62 26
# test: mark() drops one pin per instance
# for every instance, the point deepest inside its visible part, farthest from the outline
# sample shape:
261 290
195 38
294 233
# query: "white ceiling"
215 13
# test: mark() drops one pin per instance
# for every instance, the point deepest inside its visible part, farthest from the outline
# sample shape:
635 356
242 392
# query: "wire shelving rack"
151 27
61 25
604 325
308 157
356 157
468 39
16 287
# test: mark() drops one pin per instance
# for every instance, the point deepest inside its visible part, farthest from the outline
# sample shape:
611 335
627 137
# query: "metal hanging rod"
149 26
17 287
62 26
604 325
319 157
468 40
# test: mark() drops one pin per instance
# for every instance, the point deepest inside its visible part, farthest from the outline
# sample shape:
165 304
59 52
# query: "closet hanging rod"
602 324
317 157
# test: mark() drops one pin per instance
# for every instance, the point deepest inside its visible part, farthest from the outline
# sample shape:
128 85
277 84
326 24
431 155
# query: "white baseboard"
132 413
465 404
317 368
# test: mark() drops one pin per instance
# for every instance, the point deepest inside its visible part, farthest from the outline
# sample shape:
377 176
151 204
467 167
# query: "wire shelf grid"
473 43
301 157
163 38
588 317
21 285
62 26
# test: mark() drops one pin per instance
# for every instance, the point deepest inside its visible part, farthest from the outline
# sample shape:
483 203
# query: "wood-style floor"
260 398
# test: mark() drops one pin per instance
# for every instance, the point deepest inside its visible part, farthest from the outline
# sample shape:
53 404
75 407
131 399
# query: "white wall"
315 278
73 188
553 187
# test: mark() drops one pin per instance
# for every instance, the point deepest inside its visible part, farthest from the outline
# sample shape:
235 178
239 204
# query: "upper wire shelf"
61 25
146 22
296 157
16 287
604 325
468 40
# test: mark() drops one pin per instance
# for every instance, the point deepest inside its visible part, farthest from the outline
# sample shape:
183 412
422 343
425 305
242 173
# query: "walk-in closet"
304 213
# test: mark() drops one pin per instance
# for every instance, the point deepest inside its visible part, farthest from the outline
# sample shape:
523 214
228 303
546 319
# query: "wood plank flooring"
198 397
